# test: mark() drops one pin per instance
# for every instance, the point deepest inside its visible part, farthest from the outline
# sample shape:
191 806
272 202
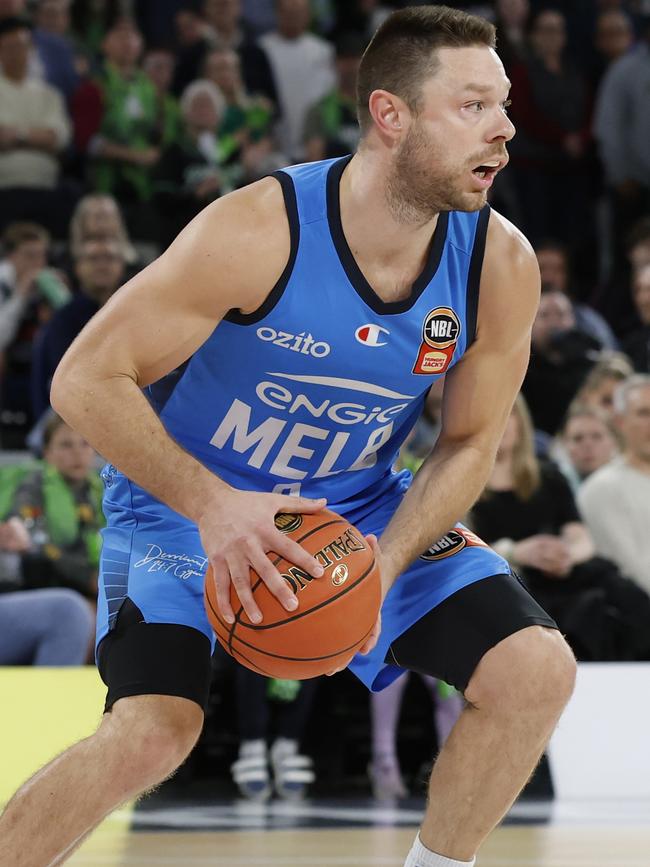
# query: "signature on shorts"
180 565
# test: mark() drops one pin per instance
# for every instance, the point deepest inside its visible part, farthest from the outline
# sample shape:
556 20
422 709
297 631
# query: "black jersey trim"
291 206
355 274
474 275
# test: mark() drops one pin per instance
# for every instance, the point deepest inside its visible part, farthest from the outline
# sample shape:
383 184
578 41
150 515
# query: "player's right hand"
237 536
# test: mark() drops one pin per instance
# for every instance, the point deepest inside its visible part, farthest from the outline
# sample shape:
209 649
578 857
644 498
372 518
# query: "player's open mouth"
487 171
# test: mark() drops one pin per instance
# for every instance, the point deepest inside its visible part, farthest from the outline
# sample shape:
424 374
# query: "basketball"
335 613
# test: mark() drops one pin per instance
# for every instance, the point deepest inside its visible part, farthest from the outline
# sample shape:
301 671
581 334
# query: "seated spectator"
91 21
59 504
605 376
98 216
30 292
195 170
615 501
621 129
159 65
384 769
614 36
561 358
117 119
291 49
34 130
528 514
511 22
192 42
331 126
99 267
553 261
248 118
292 772
637 345
224 17
551 111
56 50
44 627
587 443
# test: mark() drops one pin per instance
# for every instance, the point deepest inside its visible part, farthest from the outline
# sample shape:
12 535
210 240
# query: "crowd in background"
121 119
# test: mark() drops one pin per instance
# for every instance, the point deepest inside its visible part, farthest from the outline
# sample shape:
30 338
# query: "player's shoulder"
507 244
510 281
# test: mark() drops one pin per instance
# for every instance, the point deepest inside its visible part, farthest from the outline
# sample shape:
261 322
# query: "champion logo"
370 335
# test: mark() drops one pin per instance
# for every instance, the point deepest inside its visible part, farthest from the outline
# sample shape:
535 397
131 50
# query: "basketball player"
276 355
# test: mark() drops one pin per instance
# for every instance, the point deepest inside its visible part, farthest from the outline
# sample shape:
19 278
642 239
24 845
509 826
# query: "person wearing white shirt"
303 68
615 500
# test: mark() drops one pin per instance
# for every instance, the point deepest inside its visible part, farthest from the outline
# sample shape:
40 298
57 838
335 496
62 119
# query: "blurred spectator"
92 19
553 261
615 501
34 130
637 345
331 126
588 442
29 294
291 50
561 358
551 108
118 118
611 369
622 128
292 772
99 266
55 47
248 118
613 38
98 216
195 170
384 770
44 627
511 21
159 65
363 16
228 31
193 40
528 514
259 15
59 504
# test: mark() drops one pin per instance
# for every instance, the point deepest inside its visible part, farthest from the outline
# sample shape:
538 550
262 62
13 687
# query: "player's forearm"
117 420
444 489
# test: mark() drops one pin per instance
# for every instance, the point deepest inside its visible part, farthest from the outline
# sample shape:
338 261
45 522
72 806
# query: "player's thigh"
450 640
153 634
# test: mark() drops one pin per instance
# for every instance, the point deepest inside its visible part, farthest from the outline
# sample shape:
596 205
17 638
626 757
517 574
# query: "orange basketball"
335 613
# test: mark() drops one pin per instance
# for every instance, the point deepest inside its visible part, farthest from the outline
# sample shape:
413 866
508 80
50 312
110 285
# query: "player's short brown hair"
402 53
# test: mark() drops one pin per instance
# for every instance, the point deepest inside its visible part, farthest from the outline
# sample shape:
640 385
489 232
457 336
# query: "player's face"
455 145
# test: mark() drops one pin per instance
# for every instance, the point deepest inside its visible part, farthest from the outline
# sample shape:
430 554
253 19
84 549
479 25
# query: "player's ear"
389 113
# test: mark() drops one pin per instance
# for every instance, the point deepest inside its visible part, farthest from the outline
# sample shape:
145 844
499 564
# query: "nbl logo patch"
440 333
287 523
451 543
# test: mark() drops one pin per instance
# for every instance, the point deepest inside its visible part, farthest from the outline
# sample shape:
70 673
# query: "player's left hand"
372 639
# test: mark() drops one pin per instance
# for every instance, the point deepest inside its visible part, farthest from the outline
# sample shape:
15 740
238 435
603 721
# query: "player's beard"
416 191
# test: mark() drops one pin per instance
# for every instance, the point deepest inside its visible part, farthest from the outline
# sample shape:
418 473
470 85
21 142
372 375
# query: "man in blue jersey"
276 355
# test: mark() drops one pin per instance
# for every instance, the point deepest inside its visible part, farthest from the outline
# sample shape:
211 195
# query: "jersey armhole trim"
291 206
474 275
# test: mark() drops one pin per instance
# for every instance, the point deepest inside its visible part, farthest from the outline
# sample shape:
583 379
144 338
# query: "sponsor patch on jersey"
440 333
451 543
287 523
371 334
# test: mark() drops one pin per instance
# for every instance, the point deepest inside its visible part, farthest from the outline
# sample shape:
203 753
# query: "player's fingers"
340 668
240 575
273 580
296 554
221 578
299 504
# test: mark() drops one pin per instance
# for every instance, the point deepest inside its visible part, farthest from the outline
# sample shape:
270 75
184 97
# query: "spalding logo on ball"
335 614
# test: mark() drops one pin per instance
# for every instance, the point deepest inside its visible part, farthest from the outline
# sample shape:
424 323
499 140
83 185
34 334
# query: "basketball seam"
303 658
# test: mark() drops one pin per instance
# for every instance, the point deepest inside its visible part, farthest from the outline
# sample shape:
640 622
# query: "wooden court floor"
579 843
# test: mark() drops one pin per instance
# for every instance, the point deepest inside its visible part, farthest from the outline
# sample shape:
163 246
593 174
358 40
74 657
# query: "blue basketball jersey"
315 392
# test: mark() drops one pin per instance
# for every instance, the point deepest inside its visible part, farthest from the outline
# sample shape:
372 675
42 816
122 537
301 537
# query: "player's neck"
372 228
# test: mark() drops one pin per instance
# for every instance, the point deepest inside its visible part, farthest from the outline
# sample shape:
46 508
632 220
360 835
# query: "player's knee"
532 670
155 734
